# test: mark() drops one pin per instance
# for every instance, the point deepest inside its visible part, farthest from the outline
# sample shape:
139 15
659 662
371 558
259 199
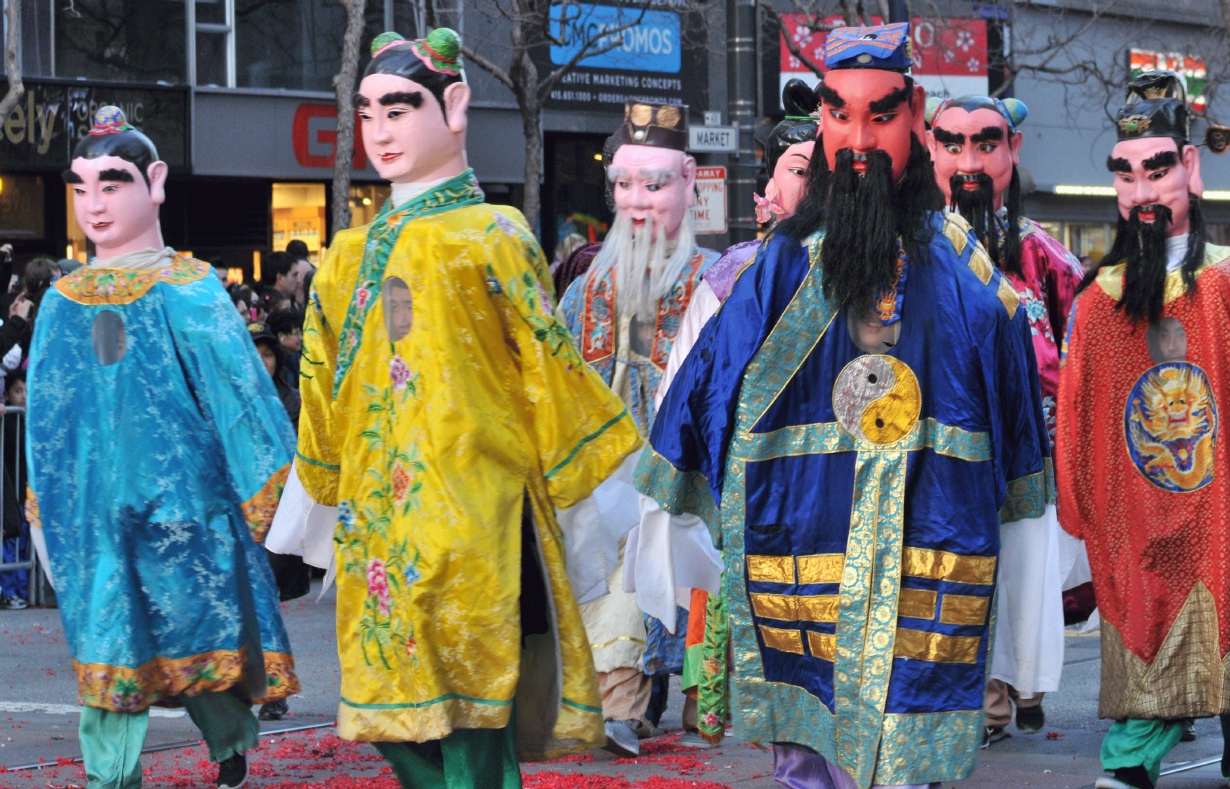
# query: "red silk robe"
1142 468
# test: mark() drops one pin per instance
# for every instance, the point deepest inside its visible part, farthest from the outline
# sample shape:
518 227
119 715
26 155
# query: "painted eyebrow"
892 101
988 134
1161 159
360 100
71 178
830 96
946 137
115 175
1118 165
413 98
661 176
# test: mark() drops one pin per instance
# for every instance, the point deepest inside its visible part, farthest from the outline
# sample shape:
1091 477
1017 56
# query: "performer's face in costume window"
970 144
653 185
112 202
1152 171
1167 341
869 110
790 175
406 134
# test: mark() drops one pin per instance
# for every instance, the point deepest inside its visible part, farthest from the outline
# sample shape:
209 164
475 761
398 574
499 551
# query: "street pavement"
38 724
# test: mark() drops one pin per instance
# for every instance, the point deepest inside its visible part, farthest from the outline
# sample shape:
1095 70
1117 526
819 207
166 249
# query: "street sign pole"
741 87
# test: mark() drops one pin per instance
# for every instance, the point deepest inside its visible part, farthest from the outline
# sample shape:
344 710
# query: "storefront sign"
709 213
314 137
1193 70
713 139
40 132
950 55
652 54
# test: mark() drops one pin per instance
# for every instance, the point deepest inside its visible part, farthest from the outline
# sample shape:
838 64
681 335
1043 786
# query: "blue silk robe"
860 499
153 478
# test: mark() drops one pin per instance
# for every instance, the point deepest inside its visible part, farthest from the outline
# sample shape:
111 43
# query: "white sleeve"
301 527
703 306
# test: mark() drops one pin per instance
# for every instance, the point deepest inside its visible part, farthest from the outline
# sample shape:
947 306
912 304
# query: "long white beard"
644 274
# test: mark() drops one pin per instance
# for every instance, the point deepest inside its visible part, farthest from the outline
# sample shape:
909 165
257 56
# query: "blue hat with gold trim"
884 47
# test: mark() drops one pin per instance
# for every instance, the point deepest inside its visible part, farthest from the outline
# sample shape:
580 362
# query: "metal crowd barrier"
17 423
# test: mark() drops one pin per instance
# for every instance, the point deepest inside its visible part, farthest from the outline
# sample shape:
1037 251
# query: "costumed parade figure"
1139 441
788 152
624 313
157 450
862 409
975 144
446 414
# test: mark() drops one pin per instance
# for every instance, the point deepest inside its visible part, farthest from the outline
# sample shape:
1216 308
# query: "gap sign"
709 213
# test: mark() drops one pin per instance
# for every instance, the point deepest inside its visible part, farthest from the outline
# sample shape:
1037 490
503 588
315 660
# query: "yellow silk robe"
429 444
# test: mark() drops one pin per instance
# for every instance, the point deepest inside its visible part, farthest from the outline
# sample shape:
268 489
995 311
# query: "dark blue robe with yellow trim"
156 462
861 497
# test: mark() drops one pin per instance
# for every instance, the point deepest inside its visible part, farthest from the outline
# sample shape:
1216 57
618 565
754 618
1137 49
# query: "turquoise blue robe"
860 499
152 479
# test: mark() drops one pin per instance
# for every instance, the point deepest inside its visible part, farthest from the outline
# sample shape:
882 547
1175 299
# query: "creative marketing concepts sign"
1193 70
653 53
950 55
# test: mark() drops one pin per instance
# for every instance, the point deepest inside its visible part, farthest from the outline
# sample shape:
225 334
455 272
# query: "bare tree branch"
12 59
486 65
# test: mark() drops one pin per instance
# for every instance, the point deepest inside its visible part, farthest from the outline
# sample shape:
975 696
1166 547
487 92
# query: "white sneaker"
621 740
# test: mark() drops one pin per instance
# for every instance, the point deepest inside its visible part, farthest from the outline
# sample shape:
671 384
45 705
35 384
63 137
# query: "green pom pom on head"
1016 110
385 39
445 42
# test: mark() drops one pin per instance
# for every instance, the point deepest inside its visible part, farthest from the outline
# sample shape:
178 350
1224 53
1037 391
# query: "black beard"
978 208
859 254
1143 252
864 216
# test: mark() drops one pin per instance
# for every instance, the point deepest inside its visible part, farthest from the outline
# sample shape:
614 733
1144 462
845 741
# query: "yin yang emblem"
877 399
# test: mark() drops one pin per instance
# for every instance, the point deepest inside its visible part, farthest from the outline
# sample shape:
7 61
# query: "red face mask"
856 125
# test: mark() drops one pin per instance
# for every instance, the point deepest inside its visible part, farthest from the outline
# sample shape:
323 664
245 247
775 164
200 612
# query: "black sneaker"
1189 731
1030 720
274 710
233 772
992 734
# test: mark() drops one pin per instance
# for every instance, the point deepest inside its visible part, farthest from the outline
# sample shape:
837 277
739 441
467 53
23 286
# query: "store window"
292 44
299 214
121 40
1089 238
21 207
366 202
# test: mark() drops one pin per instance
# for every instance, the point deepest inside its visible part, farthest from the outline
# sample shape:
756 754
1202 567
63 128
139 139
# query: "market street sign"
713 139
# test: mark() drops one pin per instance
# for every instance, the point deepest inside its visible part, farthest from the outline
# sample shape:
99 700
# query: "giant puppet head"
976 149
788 153
118 183
653 183
412 106
874 185
1156 174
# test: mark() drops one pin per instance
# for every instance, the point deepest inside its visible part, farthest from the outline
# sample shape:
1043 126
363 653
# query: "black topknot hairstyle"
799 126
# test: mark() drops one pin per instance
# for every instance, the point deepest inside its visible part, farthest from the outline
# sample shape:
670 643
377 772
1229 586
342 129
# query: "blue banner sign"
650 44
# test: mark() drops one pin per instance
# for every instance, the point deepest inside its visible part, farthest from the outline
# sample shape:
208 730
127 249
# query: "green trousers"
465 759
111 742
1139 743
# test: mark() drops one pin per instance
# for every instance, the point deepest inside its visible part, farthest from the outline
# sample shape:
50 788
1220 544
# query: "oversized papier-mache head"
1156 172
788 151
652 177
118 183
413 104
975 144
870 102
652 184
